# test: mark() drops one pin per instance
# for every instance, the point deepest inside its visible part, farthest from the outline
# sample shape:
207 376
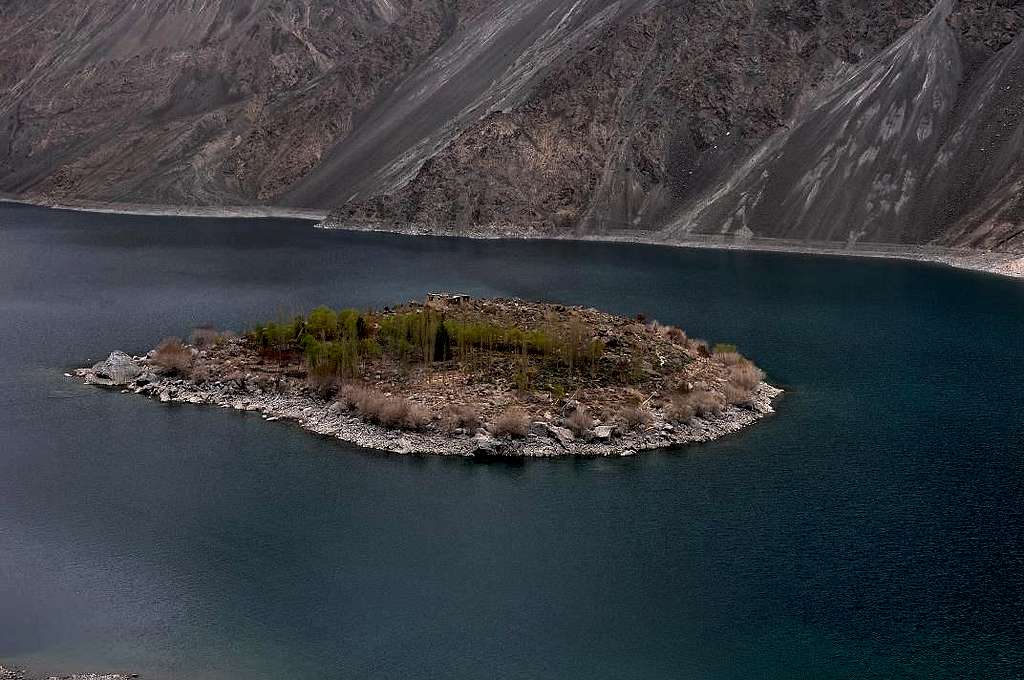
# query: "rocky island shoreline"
460 376
15 673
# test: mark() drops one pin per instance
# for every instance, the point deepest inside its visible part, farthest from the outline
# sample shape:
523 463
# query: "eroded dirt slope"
862 120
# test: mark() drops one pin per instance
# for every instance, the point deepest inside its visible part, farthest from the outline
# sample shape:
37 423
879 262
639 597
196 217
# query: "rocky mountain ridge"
895 121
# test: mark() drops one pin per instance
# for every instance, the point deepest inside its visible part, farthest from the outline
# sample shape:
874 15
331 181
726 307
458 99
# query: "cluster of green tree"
339 342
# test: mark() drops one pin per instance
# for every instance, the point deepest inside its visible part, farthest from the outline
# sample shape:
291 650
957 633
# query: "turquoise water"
873 528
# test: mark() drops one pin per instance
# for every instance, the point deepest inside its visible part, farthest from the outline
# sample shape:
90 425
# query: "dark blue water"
873 528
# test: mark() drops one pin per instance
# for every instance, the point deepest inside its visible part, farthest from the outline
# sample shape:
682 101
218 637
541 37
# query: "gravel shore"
14 673
328 419
988 262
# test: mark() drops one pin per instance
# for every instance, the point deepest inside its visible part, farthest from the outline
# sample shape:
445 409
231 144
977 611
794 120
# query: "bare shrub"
579 421
369 403
676 335
460 416
745 375
706 403
512 423
417 417
392 412
738 396
700 347
633 417
729 358
374 407
680 410
323 384
172 355
349 395
204 336
200 374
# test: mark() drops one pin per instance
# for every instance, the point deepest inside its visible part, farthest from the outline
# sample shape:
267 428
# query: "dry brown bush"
700 347
373 406
417 417
392 412
729 358
579 421
204 336
324 385
746 375
350 395
173 355
369 403
633 417
706 403
676 335
736 395
512 423
200 374
460 416
680 410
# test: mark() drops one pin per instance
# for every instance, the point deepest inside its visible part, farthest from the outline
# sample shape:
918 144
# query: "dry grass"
375 407
729 358
325 386
460 416
417 417
579 421
735 395
173 355
677 335
204 336
745 375
633 417
512 423
705 403
680 410
701 347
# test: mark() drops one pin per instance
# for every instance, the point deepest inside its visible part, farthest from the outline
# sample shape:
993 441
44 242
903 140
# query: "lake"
872 528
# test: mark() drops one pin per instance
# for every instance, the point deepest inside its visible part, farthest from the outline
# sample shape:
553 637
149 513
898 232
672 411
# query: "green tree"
323 323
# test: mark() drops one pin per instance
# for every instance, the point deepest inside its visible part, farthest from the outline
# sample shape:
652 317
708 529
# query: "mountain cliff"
860 120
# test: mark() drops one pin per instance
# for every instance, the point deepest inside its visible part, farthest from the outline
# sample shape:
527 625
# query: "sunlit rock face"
861 121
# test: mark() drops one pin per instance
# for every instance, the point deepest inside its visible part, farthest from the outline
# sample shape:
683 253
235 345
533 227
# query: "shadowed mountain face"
866 120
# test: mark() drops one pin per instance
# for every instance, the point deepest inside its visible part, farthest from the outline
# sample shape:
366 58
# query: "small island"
455 375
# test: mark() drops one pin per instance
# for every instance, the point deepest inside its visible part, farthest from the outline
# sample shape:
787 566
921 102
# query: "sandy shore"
989 262
246 211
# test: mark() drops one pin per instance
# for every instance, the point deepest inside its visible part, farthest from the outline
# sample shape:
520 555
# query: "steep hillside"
854 121
922 143
196 101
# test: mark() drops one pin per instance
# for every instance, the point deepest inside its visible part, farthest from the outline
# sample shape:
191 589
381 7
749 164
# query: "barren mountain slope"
189 101
921 143
890 120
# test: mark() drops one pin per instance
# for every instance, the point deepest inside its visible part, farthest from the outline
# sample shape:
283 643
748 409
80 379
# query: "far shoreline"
1006 265
152 210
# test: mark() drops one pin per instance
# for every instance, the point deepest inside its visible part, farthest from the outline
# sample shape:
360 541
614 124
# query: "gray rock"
539 428
604 432
486 445
118 369
562 434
